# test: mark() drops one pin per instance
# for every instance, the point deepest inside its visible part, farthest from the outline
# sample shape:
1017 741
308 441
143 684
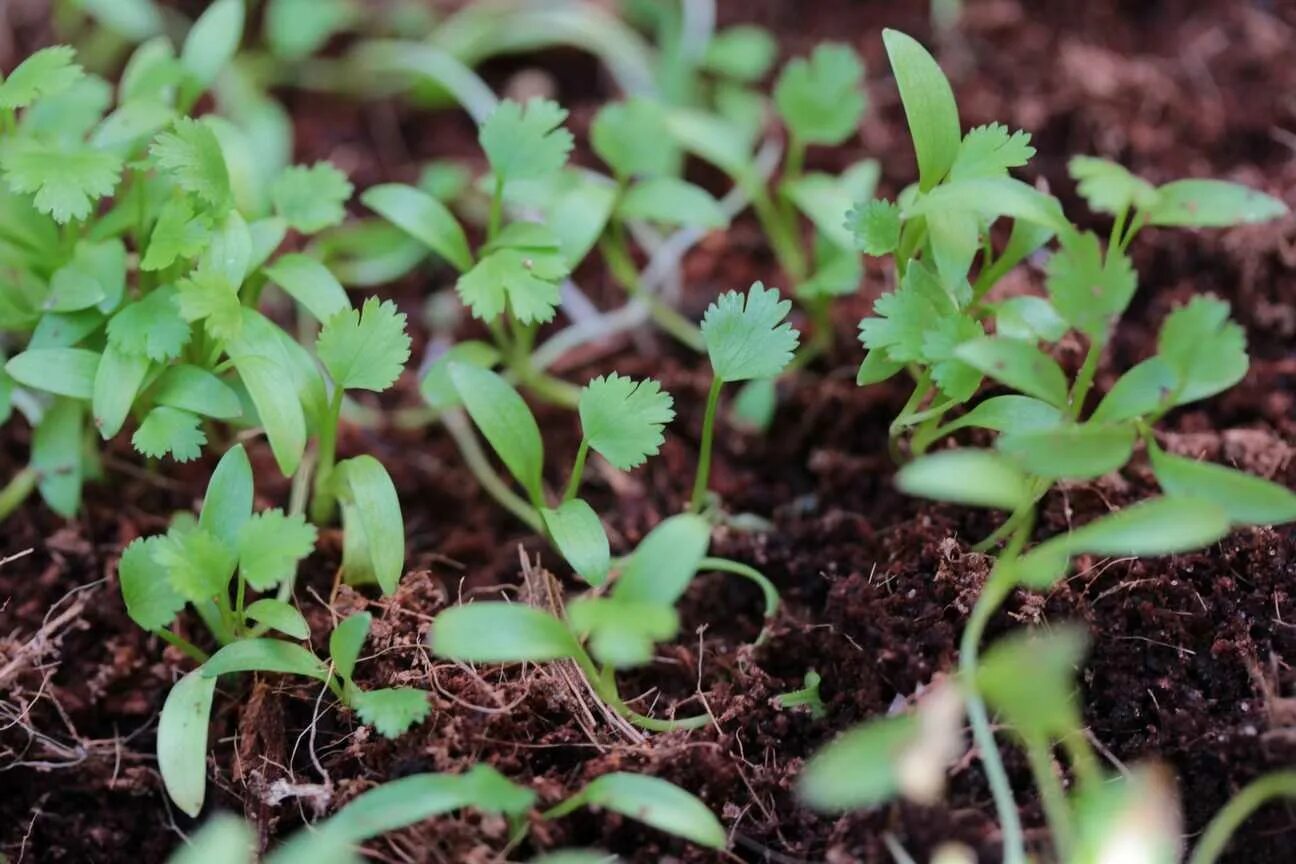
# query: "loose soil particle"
1191 656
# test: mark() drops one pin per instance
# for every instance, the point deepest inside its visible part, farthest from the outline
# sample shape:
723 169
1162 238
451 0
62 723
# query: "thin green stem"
782 238
1084 764
190 650
821 336
480 466
768 591
16 491
1279 784
240 598
496 217
704 454
922 387
553 390
578 471
1057 812
617 256
1085 378
604 684
324 501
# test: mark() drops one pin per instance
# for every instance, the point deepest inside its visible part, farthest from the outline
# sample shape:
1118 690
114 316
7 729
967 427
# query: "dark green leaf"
182 740
265 655
1018 364
505 421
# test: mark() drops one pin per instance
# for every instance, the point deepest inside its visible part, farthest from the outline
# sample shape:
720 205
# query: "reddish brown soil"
1191 656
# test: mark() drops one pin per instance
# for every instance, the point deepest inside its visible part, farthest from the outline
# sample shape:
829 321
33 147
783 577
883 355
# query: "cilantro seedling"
807 697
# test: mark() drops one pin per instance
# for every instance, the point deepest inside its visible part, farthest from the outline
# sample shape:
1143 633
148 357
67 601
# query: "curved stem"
190 650
1280 784
724 565
604 685
578 471
704 455
481 468
1057 812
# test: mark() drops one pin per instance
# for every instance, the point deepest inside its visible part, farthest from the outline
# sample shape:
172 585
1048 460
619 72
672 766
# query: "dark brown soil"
1191 656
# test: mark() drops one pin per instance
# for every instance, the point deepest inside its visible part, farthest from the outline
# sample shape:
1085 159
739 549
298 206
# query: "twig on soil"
52 628
14 557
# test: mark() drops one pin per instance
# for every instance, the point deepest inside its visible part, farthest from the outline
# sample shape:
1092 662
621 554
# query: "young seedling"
215 564
935 324
807 697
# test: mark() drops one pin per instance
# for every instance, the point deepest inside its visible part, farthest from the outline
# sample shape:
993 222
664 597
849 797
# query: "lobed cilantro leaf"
46 72
1206 350
151 601
744 336
311 199
365 349
173 431
526 142
526 281
209 297
191 154
627 136
1109 187
152 326
177 234
876 226
270 545
623 419
198 565
65 180
956 379
989 151
1088 289
392 710
902 317
820 97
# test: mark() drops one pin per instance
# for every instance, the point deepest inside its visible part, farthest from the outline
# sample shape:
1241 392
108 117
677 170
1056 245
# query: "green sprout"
807 697
216 564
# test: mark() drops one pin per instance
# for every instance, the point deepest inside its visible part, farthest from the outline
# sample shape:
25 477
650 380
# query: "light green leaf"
628 137
1072 452
73 289
198 564
498 632
211 298
392 710
954 239
580 538
422 217
1145 389
821 98
1029 318
505 421
213 40
671 201
66 181
46 72
182 740
177 234
743 52
991 198
858 769
345 642
267 382
1206 350
746 337
265 655
929 106
524 281
436 386
152 326
280 616
311 199
1089 289
1018 364
57 454
151 602
1109 187
153 70
227 506
309 283
826 200
1248 500
270 545
1212 204
713 139
371 515
170 431
623 419
1008 414
296 29
665 561
974 477
525 142
228 255
657 803
875 367
131 123
954 378
224 838
754 407
902 318
197 390
989 151
192 155
365 349
1030 678
875 225
63 371
622 633
117 382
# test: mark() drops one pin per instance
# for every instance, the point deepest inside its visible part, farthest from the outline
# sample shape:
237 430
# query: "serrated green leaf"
622 633
1018 364
671 201
227 506
365 349
62 371
178 233
525 142
270 546
265 655
117 382
627 136
902 318
436 386
371 515
182 740
392 710
1248 500
1089 289
209 297
57 454
875 225
1109 187
196 562
280 616
1212 204
929 106
821 98
989 151
973 477
859 768
150 600
496 632
198 391
623 419
580 538
665 561
46 72
424 218
66 181
1073 452
505 421
311 284
311 199
746 337
524 281
191 154
954 378
152 326
345 643
1206 350
657 803
213 40
990 199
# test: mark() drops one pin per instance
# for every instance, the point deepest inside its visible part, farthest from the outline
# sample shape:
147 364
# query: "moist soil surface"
1190 656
